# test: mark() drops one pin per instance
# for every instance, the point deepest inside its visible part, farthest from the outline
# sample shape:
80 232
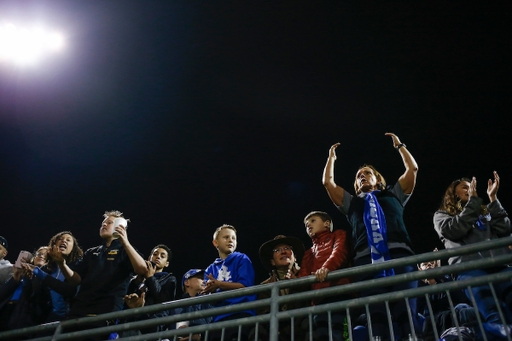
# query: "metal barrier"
275 316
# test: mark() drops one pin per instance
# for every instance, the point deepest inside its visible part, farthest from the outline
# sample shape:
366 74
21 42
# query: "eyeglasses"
286 248
41 254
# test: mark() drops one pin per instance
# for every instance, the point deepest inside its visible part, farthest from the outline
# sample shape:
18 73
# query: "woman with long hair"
375 213
463 219
61 292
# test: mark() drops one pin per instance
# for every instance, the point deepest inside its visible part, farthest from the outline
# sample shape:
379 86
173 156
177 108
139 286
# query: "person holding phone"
23 302
156 286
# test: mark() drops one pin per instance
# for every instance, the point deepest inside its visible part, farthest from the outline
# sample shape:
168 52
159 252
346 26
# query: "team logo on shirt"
113 252
224 275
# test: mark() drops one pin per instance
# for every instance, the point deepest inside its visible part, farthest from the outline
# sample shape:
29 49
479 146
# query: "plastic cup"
117 222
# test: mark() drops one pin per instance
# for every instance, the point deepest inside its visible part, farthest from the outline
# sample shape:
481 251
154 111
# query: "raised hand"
472 188
396 140
332 151
492 187
121 232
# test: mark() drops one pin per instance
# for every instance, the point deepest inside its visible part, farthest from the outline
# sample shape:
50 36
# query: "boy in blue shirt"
232 270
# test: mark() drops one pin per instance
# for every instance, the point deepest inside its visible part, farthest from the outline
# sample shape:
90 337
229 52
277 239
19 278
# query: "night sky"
189 114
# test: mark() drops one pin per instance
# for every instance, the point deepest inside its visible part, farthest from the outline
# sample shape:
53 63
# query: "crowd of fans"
60 281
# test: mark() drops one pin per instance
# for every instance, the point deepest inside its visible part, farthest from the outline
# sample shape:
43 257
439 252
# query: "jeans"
485 302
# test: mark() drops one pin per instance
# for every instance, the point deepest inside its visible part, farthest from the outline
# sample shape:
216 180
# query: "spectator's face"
315 225
160 257
65 244
195 285
428 265
41 257
283 257
226 241
3 252
366 180
462 191
107 227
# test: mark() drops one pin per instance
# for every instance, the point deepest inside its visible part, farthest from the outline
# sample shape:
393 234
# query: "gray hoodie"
6 271
463 229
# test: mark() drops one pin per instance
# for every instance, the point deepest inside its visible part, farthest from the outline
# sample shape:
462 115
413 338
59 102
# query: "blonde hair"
223 227
115 213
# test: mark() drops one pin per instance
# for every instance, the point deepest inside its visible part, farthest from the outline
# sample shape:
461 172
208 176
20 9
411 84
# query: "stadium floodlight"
24 46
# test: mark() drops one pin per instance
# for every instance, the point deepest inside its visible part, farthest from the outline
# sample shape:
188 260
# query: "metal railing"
273 319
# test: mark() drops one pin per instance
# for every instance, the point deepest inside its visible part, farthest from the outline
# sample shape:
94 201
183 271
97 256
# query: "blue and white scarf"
375 223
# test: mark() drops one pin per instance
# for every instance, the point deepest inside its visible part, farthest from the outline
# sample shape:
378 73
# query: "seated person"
466 316
192 285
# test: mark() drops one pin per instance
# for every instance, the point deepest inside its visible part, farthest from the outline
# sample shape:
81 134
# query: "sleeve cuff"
40 273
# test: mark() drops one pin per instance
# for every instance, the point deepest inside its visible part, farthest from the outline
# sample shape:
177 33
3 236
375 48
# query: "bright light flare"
24 46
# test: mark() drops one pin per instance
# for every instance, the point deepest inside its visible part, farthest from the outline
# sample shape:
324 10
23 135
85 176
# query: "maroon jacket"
330 250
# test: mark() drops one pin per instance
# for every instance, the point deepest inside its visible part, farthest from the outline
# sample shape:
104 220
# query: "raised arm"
408 179
335 192
500 222
71 276
138 263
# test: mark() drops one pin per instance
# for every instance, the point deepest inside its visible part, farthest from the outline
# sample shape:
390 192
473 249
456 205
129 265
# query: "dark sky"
189 114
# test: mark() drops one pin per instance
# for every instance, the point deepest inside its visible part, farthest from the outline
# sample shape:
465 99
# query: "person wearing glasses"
281 257
21 303
463 219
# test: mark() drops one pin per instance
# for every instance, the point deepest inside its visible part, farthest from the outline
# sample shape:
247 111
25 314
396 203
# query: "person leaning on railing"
462 219
378 229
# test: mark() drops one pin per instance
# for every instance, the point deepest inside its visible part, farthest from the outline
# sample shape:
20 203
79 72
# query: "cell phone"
23 257
152 263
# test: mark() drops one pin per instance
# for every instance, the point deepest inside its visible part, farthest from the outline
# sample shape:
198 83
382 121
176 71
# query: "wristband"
400 146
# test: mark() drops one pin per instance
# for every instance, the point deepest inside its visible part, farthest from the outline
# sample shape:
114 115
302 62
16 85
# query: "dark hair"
324 216
75 254
166 248
451 202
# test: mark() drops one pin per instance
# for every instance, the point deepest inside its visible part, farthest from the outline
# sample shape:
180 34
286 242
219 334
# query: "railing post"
274 309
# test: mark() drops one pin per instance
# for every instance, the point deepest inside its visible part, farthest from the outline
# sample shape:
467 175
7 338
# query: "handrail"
276 300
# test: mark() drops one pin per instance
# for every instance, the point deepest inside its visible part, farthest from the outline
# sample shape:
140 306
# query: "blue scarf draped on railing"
375 223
